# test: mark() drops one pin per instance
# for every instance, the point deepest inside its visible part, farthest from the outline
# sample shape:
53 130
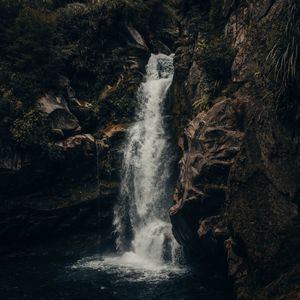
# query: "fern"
201 103
284 56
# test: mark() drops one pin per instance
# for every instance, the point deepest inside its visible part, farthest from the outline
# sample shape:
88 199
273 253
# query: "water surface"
97 278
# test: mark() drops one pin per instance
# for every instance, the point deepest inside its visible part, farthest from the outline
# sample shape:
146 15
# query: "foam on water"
130 267
142 210
144 201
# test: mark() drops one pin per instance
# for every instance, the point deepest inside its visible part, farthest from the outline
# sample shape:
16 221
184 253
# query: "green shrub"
217 58
29 61
31 130
284 57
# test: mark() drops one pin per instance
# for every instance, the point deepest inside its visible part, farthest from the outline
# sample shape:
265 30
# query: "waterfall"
141 216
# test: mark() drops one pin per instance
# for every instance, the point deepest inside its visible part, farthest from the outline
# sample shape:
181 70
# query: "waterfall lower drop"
142 212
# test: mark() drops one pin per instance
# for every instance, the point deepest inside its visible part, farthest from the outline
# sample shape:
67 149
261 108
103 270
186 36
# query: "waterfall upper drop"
141 215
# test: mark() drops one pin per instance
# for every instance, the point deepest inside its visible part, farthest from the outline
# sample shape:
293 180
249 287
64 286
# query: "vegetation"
275 60
215 57
284 57
42 41
30 129
213 53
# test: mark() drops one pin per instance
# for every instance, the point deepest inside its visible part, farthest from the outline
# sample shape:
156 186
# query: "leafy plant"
216 57
284 57
201 103
32 129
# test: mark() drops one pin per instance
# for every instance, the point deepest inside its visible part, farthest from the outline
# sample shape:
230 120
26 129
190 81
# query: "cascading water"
142 212
145 267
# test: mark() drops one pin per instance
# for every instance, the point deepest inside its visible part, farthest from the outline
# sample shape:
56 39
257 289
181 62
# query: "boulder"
58 112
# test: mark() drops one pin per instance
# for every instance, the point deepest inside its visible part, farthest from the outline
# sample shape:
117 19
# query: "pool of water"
101 277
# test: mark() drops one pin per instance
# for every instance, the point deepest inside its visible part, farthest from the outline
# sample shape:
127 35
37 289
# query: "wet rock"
237 268
58 112
210 144
114 130
57 134
76 141
136 36
215 226
183 233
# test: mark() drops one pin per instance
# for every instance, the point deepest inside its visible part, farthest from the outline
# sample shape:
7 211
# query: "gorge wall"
236 117
239 138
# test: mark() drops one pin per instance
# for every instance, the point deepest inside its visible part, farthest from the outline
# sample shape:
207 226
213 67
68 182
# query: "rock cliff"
239 172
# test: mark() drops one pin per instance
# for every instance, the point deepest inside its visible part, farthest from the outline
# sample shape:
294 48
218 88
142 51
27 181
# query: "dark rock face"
239 172
209 146
46 199
262 200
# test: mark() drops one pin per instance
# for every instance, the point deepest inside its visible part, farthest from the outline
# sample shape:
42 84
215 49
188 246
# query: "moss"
215 56
117 102
30 130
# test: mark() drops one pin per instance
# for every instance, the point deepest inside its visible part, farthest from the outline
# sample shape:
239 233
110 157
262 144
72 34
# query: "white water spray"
143 206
